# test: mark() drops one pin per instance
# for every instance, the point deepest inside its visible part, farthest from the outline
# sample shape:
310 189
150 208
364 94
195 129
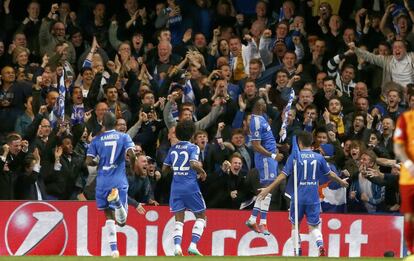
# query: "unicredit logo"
36 228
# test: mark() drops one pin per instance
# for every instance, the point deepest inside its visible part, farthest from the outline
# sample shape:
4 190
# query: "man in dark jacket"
14 152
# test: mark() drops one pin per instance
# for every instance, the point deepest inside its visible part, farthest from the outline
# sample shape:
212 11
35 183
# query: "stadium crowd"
153 63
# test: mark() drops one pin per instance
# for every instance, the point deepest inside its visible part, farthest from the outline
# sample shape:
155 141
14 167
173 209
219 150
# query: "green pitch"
205 258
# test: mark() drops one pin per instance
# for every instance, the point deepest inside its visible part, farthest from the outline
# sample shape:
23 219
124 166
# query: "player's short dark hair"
109 120
255 100
305 138
185 130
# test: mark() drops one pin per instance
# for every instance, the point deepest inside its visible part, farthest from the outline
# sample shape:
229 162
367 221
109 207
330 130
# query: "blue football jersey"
260 130
310 170
185 178
110 147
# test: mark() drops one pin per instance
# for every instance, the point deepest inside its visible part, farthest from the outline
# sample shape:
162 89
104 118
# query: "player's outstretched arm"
90 161
264 191
343 182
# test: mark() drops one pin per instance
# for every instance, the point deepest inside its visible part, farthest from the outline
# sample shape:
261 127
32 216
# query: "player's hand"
140 209
344 183
233 194
202 176
263 192
279 157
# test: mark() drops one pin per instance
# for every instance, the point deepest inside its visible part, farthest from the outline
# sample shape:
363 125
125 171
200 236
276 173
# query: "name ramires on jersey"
110 137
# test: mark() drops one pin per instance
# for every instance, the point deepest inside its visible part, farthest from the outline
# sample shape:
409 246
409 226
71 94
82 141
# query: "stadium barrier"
76 228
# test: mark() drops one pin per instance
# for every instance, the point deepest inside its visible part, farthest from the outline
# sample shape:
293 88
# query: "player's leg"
103 204
196 204
407 208
177 207
252 221
178 232
268 175
409 231
118 200
264 208
292 212
111 228
313 217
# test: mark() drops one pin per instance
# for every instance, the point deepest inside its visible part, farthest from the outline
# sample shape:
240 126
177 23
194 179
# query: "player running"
182 158
111 182
310 168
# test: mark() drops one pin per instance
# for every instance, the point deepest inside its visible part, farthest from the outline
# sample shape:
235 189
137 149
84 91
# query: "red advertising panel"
76 228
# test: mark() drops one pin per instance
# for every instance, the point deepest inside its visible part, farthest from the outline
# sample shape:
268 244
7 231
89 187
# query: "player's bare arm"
264 191
90 161
196 165
260 149
332 176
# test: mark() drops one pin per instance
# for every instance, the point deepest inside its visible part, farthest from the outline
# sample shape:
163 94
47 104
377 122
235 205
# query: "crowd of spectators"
154 63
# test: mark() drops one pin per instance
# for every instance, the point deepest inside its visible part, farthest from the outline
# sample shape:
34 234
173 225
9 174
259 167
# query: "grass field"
205 258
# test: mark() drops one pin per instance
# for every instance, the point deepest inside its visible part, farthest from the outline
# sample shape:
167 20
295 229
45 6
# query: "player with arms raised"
182 158
111 147
310 167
